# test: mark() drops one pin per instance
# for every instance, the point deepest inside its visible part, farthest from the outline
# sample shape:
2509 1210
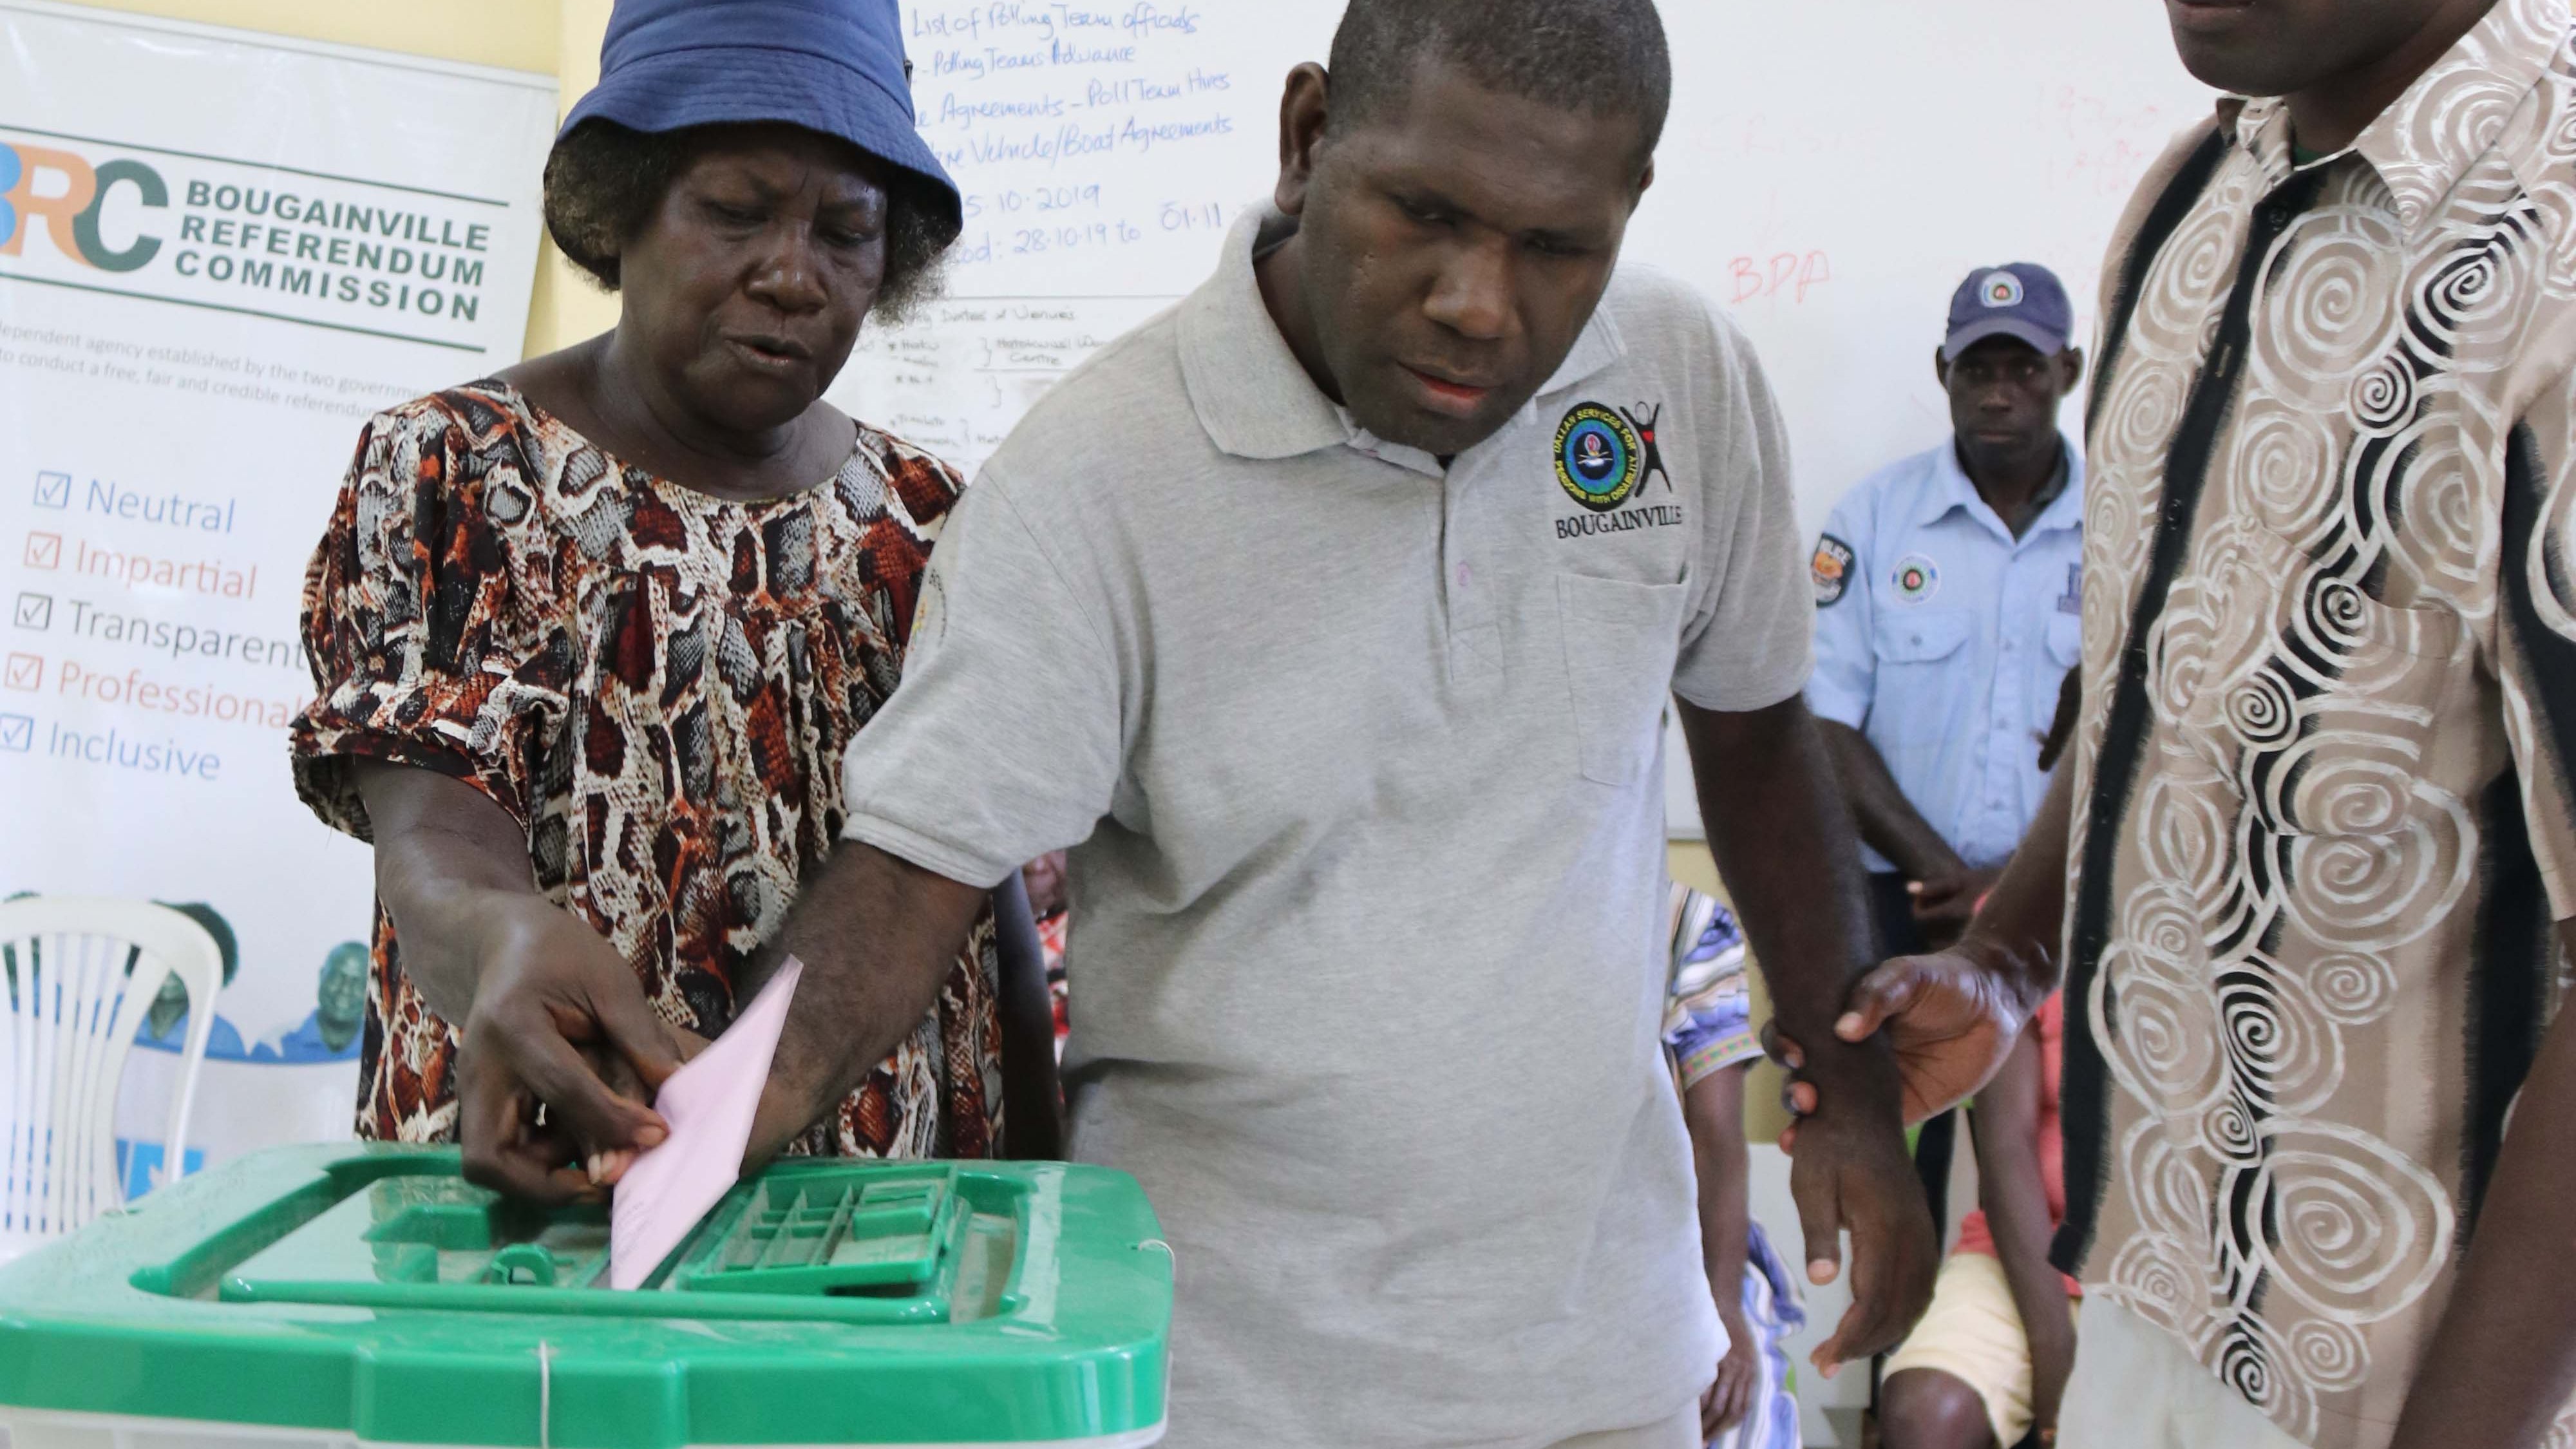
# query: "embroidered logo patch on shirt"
1599 456
1831 569
1916 579
1643 417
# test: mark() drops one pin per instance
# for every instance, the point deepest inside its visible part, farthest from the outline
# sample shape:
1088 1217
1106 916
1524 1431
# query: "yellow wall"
559 38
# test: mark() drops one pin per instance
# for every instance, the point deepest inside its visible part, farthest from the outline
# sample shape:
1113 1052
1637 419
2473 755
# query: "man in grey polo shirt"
1330 619
1351 714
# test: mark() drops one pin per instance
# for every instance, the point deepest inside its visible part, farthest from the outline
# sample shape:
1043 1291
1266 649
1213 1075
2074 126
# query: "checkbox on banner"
17 733
25 671
53 490
35 611
44 550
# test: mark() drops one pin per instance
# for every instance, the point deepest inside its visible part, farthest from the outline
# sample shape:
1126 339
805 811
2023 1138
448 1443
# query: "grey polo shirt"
1361 764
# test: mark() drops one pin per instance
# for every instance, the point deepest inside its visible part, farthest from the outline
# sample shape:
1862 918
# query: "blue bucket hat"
833 66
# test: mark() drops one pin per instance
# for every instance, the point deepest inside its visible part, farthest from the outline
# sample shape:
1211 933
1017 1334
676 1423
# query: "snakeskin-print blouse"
657 685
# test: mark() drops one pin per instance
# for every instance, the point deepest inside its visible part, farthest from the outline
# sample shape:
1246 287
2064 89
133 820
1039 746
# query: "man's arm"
1781 834
1945 888
1713 1109
2011 1190
1888 822
530 986
2503 1360
876 934
1953 1015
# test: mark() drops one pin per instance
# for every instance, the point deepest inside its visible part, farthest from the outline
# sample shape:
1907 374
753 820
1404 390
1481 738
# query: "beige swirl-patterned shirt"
2325 815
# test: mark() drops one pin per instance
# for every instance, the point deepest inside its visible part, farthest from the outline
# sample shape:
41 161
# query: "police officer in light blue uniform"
1948 587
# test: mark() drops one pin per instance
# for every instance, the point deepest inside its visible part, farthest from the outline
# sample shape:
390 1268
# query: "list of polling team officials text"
1103 151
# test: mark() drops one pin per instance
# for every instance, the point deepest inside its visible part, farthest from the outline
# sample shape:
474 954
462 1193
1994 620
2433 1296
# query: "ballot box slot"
835 1240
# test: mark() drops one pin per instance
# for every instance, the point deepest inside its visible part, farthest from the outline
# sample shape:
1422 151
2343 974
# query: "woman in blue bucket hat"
589 637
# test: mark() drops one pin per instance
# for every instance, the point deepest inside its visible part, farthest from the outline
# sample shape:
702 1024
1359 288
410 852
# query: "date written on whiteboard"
1780 277
1035 198
1029 241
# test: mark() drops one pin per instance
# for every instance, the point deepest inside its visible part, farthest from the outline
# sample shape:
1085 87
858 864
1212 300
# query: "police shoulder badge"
1598 456
1831 569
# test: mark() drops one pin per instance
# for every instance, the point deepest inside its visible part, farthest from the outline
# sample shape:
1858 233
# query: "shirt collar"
1952 489
2066 510
2453 114
1598 346
1254 397
1250 392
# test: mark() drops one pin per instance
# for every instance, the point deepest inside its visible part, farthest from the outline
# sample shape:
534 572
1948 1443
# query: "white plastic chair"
73 1010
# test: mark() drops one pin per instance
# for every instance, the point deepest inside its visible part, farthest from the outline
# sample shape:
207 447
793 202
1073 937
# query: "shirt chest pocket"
1918 657
2065 639
1621 640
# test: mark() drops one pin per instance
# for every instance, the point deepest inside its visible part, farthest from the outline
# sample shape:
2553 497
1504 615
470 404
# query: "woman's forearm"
451 866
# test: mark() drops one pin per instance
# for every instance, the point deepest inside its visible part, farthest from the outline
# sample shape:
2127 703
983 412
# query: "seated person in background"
589 637
1988 1363
165 1022
1947 594
1708 1028
339 1013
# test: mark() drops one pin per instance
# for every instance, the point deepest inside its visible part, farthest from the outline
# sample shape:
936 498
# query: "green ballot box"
346 1295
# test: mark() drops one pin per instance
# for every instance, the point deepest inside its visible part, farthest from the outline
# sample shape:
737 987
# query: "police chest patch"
1599 456
1831 569
1916 579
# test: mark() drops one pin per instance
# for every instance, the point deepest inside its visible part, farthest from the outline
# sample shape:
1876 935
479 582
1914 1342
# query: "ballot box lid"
371 1291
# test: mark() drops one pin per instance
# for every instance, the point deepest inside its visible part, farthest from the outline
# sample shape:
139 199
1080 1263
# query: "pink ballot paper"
709 1104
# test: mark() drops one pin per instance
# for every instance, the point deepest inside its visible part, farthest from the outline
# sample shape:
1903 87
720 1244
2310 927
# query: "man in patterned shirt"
2320 1127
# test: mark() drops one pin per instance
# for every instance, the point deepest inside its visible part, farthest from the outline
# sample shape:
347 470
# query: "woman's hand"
559 1026
560 1049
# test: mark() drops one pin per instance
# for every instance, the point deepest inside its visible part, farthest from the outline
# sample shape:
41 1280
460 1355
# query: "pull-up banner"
219 253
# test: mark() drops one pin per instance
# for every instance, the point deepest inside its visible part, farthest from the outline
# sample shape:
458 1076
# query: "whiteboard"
1831 170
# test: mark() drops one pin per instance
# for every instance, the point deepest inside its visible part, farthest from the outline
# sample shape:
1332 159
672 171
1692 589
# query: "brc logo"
71 214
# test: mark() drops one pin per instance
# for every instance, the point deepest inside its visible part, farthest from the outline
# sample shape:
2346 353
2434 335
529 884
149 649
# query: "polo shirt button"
1462 576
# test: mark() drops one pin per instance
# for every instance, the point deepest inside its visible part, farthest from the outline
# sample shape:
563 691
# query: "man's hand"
1951 1018
536 1117
1851 1172
1730 1398
1946 902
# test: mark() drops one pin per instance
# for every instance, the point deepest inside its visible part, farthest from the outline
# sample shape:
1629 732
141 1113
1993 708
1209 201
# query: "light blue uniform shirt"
1943 639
